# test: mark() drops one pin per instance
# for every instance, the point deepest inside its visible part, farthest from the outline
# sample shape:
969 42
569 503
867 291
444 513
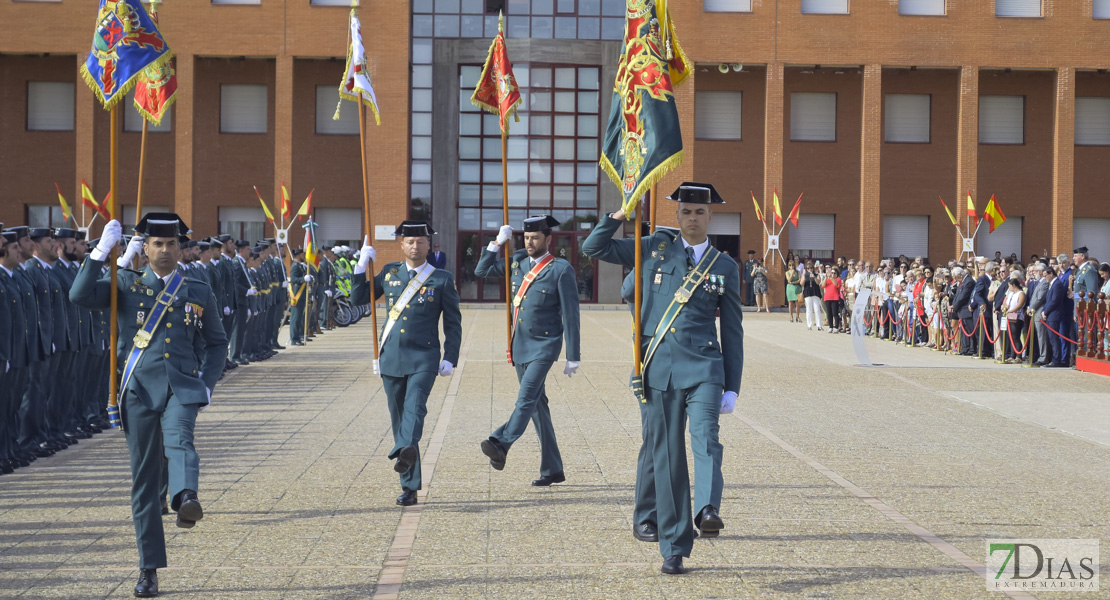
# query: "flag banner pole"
113 317
508 242
654 224
369 233
638 302
139 192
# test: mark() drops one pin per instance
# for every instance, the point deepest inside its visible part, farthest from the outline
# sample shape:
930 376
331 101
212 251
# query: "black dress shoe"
406 458
709 522
22 461
148 584
189 511
6 467
279 347
407 497
243 362
645 532
41 452
546 480
296 343
165 507
672 565
496 453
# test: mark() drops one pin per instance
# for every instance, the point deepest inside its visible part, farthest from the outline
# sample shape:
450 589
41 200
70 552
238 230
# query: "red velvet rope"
1066 338
1010 334
986 334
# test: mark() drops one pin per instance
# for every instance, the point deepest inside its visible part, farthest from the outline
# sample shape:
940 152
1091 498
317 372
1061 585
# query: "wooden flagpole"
113 317
638 301
142 167
366 223
508 243
654 208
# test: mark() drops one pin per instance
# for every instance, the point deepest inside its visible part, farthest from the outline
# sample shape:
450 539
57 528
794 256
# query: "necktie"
412 274
690 256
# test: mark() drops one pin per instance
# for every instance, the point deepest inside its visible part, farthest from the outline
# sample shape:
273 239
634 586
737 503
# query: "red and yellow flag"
993 214
65 205
265 209
951 217
156 89
286 206
497 90
758 213
306 208
775 204
974 216
89 200
796 211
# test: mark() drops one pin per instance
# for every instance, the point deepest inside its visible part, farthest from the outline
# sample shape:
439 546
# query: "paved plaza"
841 481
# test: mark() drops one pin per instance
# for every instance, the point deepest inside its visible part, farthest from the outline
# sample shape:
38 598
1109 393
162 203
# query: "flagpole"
366 223
638 298
508 242
113 318
142 166
654 224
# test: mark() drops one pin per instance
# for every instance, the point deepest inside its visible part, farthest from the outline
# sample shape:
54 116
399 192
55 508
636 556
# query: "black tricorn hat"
242 243
1080 250
10 237
81 235
20 232
62 233
692 192
40 232
163 225
224 237
203 244
540 223
410 228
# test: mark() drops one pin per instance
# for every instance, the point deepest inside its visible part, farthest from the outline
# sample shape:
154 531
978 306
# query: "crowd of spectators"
999 308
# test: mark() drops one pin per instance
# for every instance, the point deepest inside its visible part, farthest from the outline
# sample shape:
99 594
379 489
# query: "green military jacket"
188 348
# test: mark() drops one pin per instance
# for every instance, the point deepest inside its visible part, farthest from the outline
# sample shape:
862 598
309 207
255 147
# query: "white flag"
356 81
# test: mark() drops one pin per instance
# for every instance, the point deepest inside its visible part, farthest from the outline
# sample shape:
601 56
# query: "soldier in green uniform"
545 308
298 273
418 297
172 348
688 373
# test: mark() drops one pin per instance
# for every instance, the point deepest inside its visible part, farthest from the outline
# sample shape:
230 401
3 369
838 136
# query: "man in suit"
299 279
981 306
437 258
418 298
749 279
961 309
172 360
1038 299
1058 313
688 373
539 325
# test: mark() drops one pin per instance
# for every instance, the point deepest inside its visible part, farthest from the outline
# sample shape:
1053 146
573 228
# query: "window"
1017 8
243 108
813 237
327 99
813 117
1092 122
242 223
339 225
133 120
724 223
1005 239
50 106
717 115
1095 235
907 118
1100 9
727 5
346 3
921 7
47 215
824 7
239 2
1002 119
906 234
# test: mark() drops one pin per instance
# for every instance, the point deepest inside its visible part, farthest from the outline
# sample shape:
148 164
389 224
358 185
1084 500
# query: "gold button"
545 333
168 325
672 329
405 318
167 340
167 355
402 331
170 309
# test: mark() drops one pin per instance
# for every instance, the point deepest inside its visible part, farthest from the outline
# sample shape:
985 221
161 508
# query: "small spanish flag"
265 209
993 214
951 217
775 203
758 213
974 216
89 200
796 211
65 205
306 208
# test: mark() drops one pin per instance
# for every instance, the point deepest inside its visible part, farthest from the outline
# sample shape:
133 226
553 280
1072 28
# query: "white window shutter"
1001 119
1017 8
1100 9
1005 239
724 224
339 224
1095 235
327 99
814 232
1092 121
906 234
243 108
727 6
241 214
825 7
921 7
907 117
813 117
50 106
717 115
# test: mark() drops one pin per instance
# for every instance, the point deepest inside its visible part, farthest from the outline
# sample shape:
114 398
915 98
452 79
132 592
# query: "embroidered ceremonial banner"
126 42
497 90
643 140
156 88
356 84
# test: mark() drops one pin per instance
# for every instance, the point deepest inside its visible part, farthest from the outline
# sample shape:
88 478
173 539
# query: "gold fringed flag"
356 85
156 89
643 140
126 41
311 252
497 90
66 212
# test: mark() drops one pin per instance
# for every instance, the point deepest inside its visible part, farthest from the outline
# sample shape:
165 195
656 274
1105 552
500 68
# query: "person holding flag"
299 279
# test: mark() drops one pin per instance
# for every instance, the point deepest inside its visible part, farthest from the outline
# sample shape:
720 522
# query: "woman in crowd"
1013 321
833 291
793 290
759 284
811 292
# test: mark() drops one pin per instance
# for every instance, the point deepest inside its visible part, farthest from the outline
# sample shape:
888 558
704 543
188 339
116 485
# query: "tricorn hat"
692 192
163 225
409 228
242 243
62 233
40 232
540 223
1080 250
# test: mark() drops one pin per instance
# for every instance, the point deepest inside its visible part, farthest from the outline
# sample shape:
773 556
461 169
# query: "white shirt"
44 263
536 260
8 271
699 249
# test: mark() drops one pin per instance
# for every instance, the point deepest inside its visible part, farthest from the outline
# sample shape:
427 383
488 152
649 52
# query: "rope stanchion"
1010 334
983 322
1065 338
966 332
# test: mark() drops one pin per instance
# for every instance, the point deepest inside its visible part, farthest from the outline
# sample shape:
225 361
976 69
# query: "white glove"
728 402
445 368
205 407
285 284
248 313
327 293
571 368
134 247
227 310
504 234
109 238
308 278
252 292
366 255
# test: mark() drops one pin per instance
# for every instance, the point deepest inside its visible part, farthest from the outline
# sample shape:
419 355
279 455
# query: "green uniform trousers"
296 322
407 399
150 435
532 404
666 413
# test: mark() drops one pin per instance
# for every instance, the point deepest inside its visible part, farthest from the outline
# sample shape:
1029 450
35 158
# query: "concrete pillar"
283 132
86 106
871 145
774 104
183 141
967 148
1063 162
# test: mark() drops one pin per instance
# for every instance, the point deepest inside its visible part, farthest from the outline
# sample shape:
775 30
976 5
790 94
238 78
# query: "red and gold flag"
265 209
156 89
796 211
497 90
993 214
951 217
974 216
89 200
65 205
758 213
775 204
286 206
306 208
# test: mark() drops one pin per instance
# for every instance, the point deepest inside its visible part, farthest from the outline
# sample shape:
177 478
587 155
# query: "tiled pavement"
840 481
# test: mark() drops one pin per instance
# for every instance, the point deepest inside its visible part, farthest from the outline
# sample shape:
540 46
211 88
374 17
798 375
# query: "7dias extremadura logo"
1042 565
